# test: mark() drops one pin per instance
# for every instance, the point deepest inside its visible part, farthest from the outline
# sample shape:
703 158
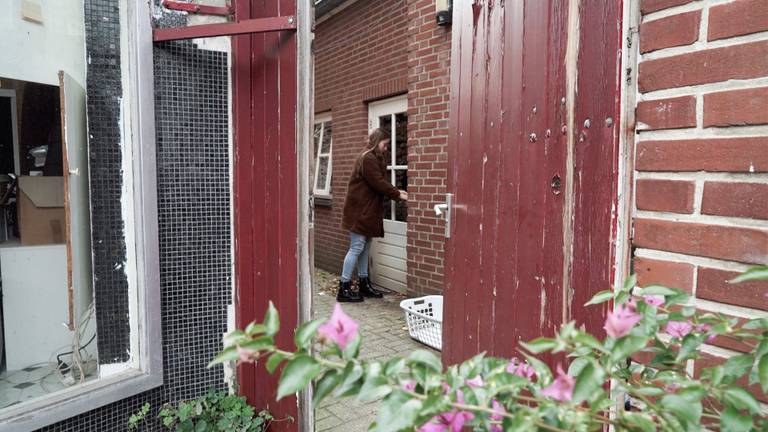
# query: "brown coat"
364 205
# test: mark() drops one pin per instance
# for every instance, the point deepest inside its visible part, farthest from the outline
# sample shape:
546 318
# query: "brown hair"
377 135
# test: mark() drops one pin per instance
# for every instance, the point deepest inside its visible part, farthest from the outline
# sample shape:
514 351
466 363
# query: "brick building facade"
368 52
701 161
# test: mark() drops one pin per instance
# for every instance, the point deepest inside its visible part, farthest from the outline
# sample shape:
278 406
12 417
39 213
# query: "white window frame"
144 371
325 190
390 107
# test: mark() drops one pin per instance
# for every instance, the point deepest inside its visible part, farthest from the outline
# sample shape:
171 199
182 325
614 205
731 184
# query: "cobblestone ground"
382 324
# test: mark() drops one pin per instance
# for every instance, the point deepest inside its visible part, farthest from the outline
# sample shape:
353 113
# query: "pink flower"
621 320
246 355
654 300
449 421
678 329
520 369
340 328
561 388
498 413
409 385
476 382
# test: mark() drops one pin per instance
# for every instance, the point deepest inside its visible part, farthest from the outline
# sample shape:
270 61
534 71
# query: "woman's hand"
403 196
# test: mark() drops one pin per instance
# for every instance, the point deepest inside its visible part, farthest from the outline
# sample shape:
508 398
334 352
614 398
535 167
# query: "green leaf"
658 290
588 340
649 391
638 421
682 408
274 361
752 274
375 385
229 354
601 297
627 346
427 359
261 343
741 399
394 366
397 412
629 283
588 382
353 348
352 373
732 421
690 345
271 320
305 333
542 370
255 328
715 374
737 366
756 324
762 373
539 345
297 374
325 386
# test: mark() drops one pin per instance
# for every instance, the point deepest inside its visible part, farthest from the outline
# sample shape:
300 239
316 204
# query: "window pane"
387 208
327 134
318 128
401 211
401 179
322 173
401 132
385 122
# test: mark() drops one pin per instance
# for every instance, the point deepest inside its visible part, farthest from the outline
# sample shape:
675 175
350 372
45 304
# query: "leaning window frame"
145 369
322 118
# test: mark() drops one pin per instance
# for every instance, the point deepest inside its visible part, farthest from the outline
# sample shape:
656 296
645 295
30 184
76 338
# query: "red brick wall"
360 55
369 51
701 162
429 58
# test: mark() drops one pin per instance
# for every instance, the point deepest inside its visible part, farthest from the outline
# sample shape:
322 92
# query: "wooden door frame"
272 146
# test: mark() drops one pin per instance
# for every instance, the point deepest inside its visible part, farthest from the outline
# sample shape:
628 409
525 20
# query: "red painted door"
265 189
533 151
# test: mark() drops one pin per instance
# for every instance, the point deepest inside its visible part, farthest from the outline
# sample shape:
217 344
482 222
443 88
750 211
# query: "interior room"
48 333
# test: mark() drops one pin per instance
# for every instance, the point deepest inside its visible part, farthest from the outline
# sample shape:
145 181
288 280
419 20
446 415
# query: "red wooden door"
265 189
532 166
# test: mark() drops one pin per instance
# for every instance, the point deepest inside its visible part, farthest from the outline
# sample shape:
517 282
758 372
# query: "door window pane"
385 122
401 132
401 211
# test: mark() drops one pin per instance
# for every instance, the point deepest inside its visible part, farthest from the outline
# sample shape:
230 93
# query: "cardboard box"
41 210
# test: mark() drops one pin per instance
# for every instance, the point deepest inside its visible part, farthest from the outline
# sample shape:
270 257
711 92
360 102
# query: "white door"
388 254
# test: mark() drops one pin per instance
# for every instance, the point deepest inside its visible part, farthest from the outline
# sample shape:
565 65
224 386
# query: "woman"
364 214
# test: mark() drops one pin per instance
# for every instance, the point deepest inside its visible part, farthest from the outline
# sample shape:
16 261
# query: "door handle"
447 208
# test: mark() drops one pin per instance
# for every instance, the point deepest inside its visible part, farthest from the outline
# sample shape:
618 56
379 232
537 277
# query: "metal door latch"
447 208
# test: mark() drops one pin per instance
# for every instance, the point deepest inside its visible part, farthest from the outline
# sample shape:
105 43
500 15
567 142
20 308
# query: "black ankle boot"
367 290
346 294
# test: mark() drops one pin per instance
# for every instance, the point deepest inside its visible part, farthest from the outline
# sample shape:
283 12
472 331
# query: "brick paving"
382 324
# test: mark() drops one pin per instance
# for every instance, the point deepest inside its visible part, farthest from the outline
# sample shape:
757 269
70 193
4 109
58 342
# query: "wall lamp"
444 12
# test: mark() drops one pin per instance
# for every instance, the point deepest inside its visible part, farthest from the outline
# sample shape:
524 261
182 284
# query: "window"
323 135
52 370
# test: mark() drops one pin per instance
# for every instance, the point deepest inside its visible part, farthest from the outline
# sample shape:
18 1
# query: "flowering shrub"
494 394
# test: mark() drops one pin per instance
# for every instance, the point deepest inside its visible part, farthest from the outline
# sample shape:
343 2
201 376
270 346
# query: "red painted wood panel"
265 189
507 276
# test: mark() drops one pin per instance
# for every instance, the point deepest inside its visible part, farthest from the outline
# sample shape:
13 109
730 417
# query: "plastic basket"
424 316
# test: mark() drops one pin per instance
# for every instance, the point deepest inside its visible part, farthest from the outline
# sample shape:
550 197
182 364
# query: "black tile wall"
191 114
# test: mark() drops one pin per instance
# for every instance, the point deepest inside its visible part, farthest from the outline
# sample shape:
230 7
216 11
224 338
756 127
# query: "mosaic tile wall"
194 214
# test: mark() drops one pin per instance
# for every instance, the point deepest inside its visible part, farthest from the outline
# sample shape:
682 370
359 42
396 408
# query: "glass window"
323 141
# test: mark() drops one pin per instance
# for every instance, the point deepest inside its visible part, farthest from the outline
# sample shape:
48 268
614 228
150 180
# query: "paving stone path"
382 324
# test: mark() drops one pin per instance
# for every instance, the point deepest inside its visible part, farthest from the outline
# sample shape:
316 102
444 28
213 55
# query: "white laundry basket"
424 316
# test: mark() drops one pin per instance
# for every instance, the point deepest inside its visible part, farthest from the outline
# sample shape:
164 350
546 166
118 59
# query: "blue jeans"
359 248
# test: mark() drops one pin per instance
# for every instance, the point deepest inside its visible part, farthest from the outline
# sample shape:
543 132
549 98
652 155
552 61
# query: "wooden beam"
197 8
258 25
